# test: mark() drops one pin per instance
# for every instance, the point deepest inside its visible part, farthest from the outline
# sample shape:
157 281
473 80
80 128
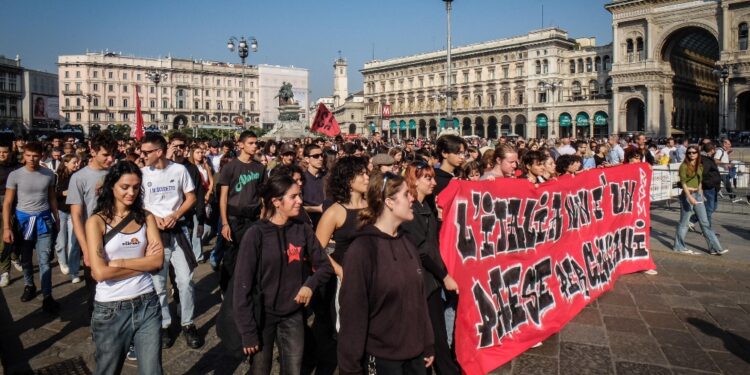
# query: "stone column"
615 112
653 110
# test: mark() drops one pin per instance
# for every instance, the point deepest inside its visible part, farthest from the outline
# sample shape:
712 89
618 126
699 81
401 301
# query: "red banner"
138 132
528 258
325 122
386 111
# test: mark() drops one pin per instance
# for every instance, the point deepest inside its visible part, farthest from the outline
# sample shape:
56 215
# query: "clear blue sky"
302 33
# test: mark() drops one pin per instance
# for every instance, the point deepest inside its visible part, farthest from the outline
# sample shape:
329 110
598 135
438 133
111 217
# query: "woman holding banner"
422 231
692 202
385 325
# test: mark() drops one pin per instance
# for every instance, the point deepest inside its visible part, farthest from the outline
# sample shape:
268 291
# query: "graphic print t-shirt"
164 189
243 180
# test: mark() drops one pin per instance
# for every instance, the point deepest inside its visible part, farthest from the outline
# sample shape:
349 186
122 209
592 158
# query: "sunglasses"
692 152
181 146
315 156
148 152
387 176
419 165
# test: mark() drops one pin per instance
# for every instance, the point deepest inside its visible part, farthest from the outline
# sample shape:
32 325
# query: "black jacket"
711 174
422 231
199 209
288 255
383 303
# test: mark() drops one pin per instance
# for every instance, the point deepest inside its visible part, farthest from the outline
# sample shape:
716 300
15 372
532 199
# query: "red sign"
528 258
386 110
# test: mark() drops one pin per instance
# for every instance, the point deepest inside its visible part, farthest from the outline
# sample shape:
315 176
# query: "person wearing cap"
288 153
214 156
383 163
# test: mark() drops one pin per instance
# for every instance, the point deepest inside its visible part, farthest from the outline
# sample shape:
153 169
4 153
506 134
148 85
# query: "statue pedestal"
288 126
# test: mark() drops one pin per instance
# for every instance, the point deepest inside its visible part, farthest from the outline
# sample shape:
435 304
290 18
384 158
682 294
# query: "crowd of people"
325 248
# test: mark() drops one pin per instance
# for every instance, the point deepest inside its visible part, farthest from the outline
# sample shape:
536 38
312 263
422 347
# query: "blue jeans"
289 333
218 252
184 277
699 210
196 240
116 324
43 245
66 245
712 201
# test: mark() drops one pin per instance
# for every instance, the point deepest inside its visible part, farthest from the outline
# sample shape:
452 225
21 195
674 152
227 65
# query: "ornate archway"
492 129
635 115
466 127
180 121
479 127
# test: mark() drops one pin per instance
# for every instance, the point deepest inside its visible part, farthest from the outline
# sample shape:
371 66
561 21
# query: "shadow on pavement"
741 232
735 344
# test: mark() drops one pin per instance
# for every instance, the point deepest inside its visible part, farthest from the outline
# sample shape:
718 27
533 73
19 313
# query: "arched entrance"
180 121
742 121
466 128
433 128
492 127
479 127
520 128
566 125
635 115
402 129
541 125
352 128
692 53
412 129
583 125
505 125
601 124
422 131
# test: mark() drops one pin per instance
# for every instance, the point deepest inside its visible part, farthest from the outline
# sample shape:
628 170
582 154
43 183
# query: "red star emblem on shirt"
293 253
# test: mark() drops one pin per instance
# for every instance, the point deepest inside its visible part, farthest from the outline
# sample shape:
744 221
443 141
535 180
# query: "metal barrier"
665 186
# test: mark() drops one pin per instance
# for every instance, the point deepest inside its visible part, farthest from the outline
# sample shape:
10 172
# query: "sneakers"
17 265
76 280
192 338
29 292
131 354
686 251
4 280
651 272
720 252
64 268
51 306
166 339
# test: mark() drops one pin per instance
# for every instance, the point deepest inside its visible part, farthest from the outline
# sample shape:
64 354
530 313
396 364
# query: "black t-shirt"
243 180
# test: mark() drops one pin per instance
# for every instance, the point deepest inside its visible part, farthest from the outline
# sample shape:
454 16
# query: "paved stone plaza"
692 318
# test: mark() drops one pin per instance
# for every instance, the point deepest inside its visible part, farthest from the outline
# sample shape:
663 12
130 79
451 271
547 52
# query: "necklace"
122 216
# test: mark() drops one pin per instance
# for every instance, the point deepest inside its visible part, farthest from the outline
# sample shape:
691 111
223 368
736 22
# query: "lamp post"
449 85
89 98
243 52
157 76
552 86
723 71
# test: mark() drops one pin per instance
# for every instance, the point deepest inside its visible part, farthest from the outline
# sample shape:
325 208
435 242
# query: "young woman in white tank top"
126 309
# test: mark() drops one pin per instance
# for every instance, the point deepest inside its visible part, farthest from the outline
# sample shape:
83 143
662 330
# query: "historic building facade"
98 89
350 114
681 66
11 93
542 84
271 77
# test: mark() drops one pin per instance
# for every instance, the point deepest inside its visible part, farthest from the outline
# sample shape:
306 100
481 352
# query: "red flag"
138 132
325 122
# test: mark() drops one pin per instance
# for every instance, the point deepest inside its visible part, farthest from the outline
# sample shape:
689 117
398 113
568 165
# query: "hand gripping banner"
528 258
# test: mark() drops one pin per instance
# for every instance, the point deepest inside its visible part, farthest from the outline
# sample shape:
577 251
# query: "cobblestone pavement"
691 318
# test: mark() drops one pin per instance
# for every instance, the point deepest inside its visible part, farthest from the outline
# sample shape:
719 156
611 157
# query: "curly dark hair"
341 176
564 161
105 204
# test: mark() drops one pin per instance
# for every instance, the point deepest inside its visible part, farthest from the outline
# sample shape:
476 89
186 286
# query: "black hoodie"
287 255
383 302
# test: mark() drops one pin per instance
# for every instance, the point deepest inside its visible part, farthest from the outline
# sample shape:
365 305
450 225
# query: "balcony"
72 92
72 108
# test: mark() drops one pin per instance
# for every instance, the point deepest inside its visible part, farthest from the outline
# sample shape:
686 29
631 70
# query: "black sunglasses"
316 156
387 176
181 146
421 164
148 152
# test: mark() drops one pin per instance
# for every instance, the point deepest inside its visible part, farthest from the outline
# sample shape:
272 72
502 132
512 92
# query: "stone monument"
288 125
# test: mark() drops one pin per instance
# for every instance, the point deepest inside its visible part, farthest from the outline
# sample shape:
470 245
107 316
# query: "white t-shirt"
164 189
722 157
566 150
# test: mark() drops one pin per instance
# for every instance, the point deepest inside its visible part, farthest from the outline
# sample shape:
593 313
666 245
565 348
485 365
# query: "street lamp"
89 98
449 85
157 76
243 52
552 86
